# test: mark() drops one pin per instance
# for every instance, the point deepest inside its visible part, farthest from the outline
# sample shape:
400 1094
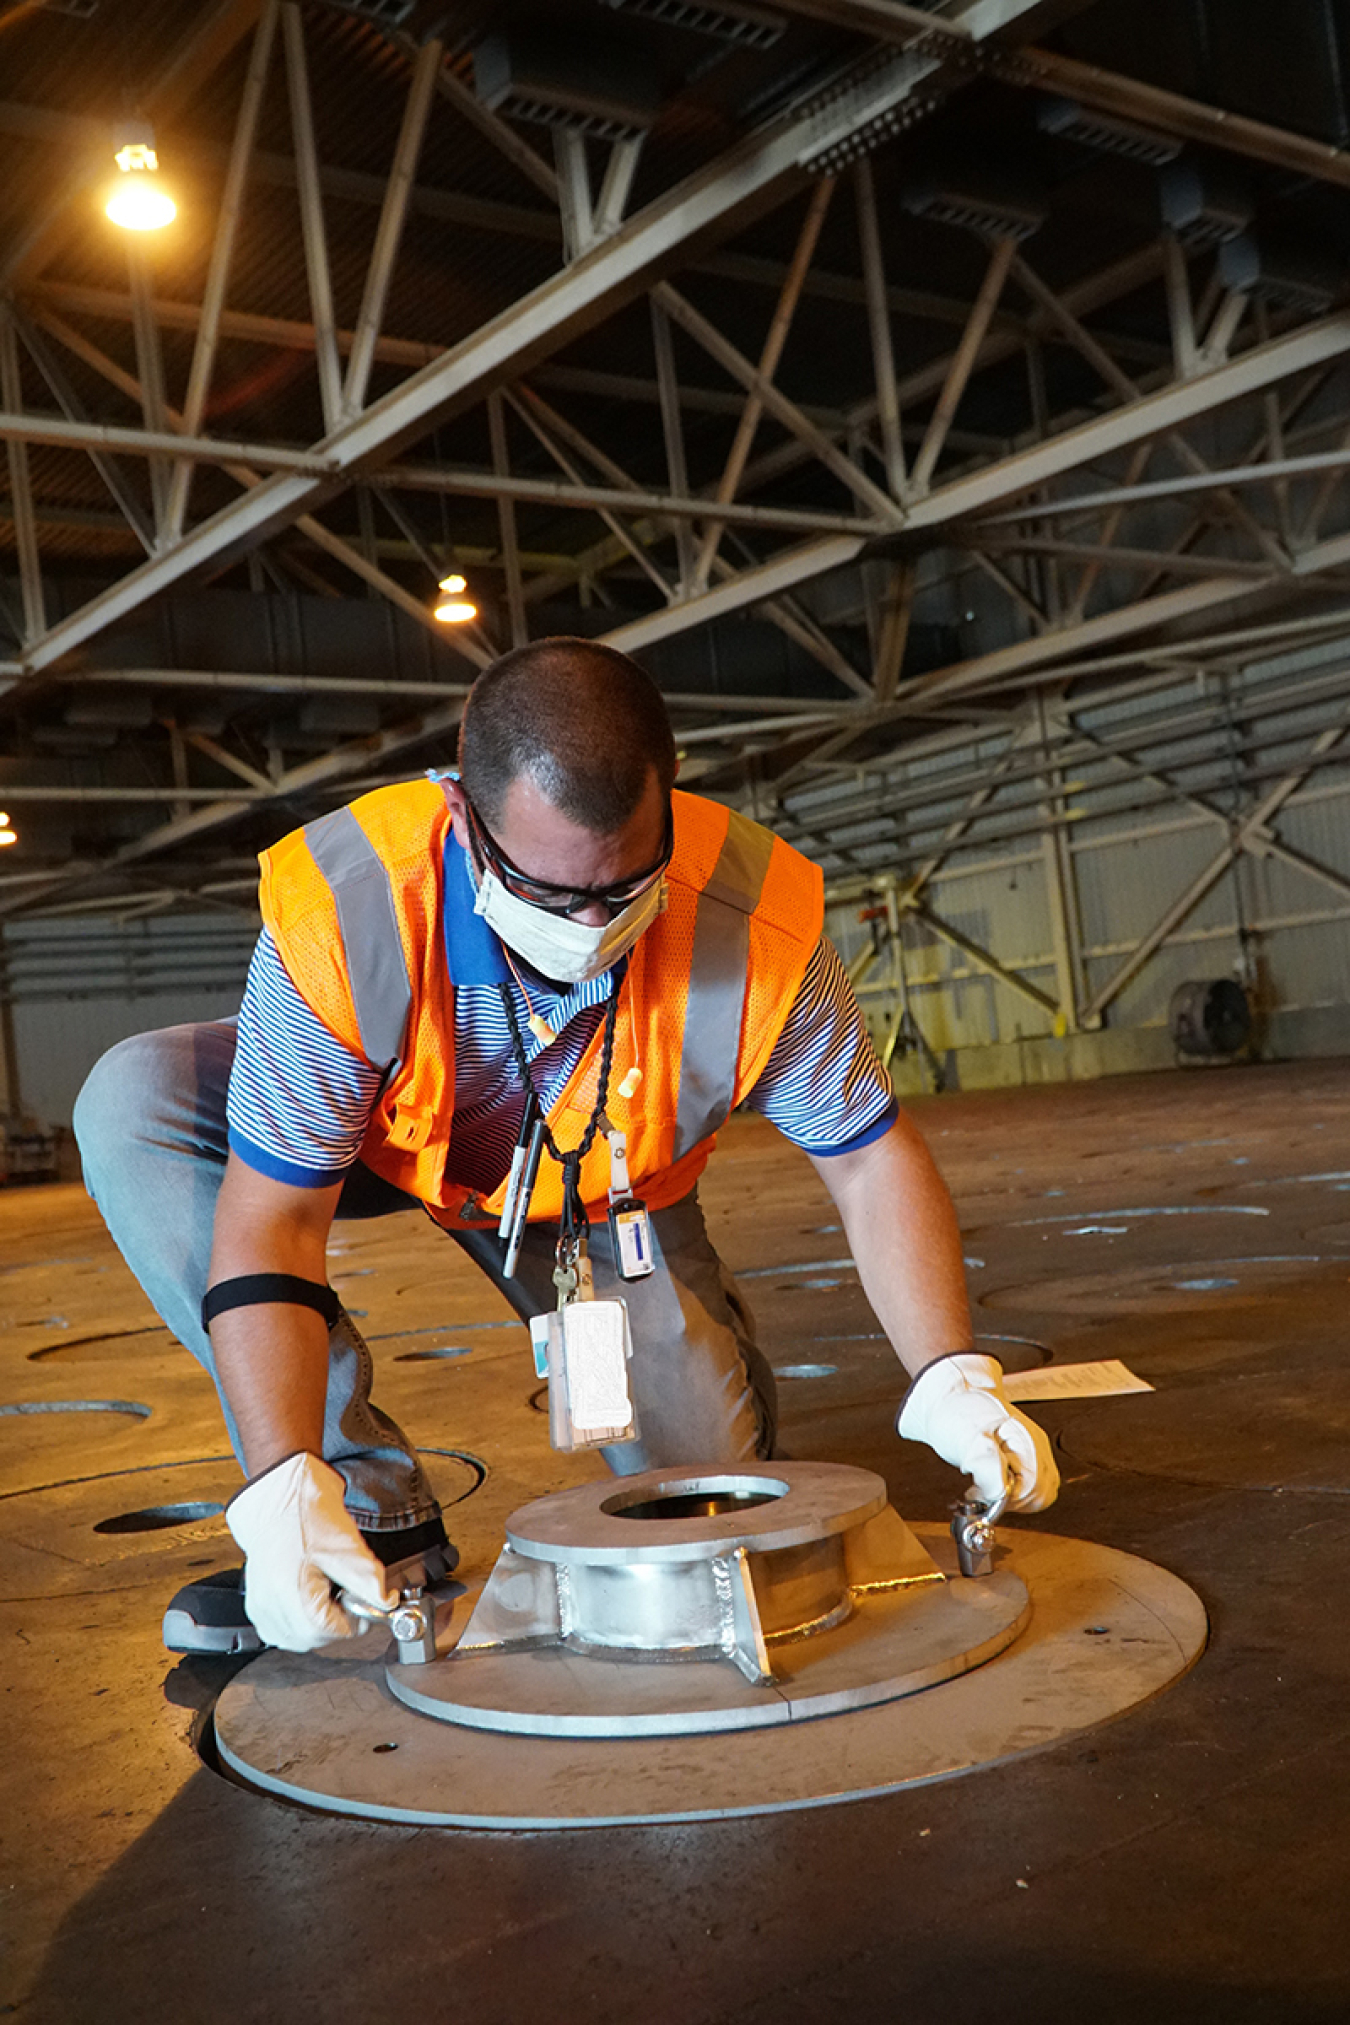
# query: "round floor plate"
1107 1632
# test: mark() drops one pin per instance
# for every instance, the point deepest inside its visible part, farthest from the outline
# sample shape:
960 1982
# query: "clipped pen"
504 1228
524 1193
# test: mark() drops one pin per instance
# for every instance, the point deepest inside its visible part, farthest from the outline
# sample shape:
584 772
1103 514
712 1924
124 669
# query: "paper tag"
594 1341
539 1344
1074 1381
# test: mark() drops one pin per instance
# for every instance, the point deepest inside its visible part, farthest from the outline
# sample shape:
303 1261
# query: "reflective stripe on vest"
376 965
718 976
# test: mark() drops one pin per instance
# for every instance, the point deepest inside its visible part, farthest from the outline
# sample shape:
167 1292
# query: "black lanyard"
574 1223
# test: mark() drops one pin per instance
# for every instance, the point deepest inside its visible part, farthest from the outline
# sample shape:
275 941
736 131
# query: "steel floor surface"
1187 1859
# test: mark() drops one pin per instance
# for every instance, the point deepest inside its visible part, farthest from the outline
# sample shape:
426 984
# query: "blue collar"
474 953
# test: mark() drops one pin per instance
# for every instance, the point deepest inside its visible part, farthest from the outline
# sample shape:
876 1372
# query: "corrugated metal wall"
1144 793
74 987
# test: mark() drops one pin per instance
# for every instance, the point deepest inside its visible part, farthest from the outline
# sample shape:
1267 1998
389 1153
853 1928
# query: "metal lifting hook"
973 1522
412 1621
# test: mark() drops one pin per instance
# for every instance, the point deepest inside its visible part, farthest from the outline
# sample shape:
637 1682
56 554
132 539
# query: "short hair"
579 719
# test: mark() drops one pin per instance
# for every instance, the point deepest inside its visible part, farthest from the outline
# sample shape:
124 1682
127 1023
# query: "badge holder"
630 1226
584 1349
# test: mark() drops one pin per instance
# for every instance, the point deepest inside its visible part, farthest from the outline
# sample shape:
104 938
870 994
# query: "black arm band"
254 1290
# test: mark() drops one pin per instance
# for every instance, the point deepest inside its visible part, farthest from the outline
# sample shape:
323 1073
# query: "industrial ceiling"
874 373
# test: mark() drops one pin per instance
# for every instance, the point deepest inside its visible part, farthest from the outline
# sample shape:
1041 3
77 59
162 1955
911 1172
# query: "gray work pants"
150 1122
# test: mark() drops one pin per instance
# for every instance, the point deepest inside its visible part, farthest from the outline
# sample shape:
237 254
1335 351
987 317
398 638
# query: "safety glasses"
564 899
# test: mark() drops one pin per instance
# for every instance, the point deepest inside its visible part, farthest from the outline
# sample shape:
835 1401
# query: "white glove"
958 1407
298 1537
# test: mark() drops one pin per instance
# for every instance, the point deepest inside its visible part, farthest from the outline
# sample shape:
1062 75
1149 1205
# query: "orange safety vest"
353 903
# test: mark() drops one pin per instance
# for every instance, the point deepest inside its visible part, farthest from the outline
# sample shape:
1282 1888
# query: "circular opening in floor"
696 1498
804 1370
156 1518
429 1356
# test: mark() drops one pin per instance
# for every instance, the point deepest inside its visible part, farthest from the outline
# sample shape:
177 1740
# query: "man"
552 932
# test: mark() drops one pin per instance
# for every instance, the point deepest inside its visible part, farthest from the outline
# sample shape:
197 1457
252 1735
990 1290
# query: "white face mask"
568 951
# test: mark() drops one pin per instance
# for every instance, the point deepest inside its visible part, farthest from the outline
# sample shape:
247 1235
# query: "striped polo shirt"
300 1100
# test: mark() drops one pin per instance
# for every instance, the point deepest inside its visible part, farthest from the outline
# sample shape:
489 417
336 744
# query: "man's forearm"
272 1365
902 1230
271 1359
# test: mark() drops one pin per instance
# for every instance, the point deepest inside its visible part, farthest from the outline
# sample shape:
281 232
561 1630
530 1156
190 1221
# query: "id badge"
583 1350
595 1359
632 1232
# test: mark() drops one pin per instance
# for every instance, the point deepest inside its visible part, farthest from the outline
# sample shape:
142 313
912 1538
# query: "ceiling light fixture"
7 836
455 609
138 200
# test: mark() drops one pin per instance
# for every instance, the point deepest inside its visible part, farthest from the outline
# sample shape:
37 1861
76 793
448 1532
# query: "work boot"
208 1615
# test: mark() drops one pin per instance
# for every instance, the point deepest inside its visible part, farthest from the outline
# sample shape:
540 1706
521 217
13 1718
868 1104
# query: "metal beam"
344 762
390 229
271 683
1148 614
770 354
21 488
1122 278
544 422
285 333
750 178
222 253
311 217
506 521
1151 415
574 192
1103 90
578 492
150 372
962 364
897 613
778 405
879 328
672 433
981 957
749 587
1188 362
1117 555
1245 828
160 442
273 331
616 185
1271 472
1186 119
38 349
